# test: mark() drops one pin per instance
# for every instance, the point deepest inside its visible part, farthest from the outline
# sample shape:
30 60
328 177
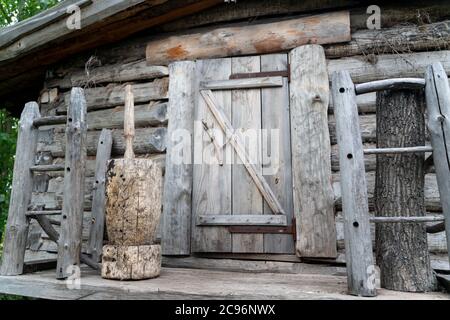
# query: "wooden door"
223 189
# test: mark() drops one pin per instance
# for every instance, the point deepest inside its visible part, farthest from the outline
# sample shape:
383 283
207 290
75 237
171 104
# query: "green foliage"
8 137
12 11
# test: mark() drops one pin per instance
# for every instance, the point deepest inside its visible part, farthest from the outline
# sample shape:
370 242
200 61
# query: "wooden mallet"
133 210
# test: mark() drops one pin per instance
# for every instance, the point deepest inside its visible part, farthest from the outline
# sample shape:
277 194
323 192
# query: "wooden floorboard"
182 283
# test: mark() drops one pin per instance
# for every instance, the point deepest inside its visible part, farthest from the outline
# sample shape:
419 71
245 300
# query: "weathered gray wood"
177 203
147 140
311 163
46 168
408 65
248 158
420 149
112 95
122 72
69 243
147 115
44 213
51 120
254 39
390 84
276 150
437 93
208 173
358 247
16 232
405 219
242 220
250 83
95 242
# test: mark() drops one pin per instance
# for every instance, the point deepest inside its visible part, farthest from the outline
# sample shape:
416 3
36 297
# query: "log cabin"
228 230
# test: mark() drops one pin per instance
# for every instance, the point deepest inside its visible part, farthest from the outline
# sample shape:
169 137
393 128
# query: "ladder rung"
51 120
44 213
46 168
398 150
406 219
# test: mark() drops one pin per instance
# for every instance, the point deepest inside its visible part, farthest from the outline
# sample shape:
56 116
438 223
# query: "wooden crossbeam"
238 146
242 220
251 83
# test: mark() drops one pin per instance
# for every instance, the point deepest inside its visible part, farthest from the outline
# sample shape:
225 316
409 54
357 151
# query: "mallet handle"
129 122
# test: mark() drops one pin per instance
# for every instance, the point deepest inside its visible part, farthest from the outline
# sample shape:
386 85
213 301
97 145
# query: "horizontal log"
242 220
253 39
122 72
366 103
372 68
393 40
147 140
48 121
420 149
150 114
43 213
262 82
406 219
432 200
367 125
114 95
437 243
46 168
390 84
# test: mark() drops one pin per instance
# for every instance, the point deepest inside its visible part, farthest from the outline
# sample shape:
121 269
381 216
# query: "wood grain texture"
242 220
311 163
358 247
254 39
437 92
131 262
16 232
177 203
212 182
276 150
96 232
249 83
246 118
69 242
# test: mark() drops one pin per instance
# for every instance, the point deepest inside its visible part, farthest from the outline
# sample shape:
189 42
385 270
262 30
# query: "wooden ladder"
20 211
358 244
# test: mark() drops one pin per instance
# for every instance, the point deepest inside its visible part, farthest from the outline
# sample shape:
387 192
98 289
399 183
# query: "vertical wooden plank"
16 232
311 161
276 150
69 244
358 244
437 92
177 203
96 232
246 117
212 182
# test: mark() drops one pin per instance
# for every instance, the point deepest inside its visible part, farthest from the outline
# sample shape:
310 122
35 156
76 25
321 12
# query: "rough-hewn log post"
177 205
358 244
69 244
438 108
15 241
311 162
96 232
402 251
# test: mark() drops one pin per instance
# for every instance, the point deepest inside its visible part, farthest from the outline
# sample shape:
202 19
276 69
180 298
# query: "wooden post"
69 245
16 234
402 250
437 94
176 220
311 149
95 242
358 244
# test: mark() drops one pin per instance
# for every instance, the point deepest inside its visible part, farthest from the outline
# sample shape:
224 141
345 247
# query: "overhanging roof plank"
12 33
95 12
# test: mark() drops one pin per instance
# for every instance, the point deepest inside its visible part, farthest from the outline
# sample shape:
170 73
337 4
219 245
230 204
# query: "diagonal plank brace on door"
238 146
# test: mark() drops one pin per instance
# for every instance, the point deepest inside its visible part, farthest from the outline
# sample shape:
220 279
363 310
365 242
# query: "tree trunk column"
401 248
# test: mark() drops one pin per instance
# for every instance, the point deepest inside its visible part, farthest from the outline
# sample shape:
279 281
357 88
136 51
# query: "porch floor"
182 283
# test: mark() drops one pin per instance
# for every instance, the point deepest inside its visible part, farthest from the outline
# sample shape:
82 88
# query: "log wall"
369 56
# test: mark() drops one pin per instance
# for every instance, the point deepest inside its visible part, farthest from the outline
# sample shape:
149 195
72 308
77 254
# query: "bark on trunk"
401 248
